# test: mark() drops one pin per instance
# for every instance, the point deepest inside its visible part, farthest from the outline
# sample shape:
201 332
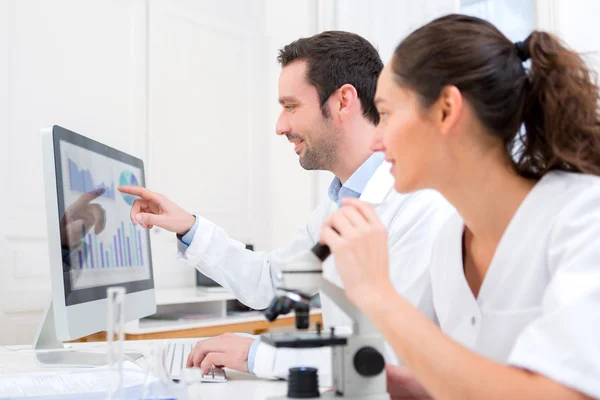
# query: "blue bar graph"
91 249
124 243
102 253
122 251
83 241
140 242
134 250
115 250
96 251
129 251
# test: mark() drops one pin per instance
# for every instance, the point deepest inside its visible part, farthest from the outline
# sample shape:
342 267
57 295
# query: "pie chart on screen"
128 179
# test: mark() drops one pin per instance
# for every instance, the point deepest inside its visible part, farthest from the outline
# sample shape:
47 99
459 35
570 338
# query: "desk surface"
238 386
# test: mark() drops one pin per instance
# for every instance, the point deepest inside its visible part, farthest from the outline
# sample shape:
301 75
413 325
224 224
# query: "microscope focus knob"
368 362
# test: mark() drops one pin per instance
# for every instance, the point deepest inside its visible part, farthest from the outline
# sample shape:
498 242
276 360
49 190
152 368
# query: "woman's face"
407 134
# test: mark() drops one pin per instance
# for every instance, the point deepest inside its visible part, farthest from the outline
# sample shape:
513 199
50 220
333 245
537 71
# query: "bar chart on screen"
126 249
108 248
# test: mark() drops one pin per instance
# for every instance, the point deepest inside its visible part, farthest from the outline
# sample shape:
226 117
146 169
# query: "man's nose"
283 125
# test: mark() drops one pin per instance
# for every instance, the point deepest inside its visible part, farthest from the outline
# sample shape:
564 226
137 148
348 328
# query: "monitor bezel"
86 295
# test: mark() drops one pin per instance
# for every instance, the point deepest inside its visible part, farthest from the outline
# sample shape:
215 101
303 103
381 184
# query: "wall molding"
547 15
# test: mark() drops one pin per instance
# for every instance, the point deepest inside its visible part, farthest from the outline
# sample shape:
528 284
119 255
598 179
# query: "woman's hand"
358 240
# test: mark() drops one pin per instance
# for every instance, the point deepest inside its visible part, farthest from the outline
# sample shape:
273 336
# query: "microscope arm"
361 325
303 274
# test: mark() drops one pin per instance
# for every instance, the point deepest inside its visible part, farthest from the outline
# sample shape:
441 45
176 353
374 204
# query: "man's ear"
448 109
347 101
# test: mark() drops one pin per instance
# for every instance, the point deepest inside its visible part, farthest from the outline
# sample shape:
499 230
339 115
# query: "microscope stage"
303 339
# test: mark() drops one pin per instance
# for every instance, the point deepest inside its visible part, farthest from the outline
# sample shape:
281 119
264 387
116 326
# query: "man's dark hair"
336 58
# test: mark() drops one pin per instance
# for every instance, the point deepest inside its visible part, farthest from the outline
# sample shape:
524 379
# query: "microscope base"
332 395
303 340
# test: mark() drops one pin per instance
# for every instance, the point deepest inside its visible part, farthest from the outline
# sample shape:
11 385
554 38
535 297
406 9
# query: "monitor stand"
46 341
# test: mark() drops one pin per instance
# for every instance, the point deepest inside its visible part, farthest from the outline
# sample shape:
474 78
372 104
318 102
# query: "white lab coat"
539 305
413 221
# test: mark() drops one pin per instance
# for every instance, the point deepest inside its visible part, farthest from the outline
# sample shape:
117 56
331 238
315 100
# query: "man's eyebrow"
379 100
288 99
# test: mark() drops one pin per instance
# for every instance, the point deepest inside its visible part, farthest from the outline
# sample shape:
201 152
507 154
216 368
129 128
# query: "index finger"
140 191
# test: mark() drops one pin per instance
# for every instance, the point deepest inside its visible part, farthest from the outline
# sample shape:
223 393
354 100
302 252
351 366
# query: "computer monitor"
91 241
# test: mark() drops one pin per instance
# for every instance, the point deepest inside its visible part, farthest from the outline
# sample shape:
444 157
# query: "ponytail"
561 116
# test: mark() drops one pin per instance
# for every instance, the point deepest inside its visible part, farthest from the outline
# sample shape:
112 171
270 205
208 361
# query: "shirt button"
473 320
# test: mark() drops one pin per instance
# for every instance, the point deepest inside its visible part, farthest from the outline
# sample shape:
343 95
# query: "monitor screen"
100 246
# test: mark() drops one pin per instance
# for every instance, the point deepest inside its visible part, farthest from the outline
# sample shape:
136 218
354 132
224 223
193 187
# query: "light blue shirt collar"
356 184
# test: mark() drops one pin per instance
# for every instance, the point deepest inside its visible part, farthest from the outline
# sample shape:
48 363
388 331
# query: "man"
326 90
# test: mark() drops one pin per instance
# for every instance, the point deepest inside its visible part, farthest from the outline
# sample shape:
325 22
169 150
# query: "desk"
253 324
238 386
198 301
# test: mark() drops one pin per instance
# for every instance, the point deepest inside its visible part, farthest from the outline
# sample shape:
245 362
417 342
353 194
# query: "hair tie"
523 51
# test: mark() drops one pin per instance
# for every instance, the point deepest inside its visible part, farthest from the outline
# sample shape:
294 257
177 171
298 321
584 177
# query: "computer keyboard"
177 354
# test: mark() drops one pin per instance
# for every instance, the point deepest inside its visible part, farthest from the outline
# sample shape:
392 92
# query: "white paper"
78 384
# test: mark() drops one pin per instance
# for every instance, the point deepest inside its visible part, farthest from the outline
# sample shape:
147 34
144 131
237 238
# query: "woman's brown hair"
556 98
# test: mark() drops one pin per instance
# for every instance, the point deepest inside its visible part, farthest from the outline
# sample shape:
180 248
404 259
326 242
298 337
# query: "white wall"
132 74
386 22
4 110
515 18
207 116
292 189
576 22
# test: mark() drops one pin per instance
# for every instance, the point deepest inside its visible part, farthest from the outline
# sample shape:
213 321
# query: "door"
208 136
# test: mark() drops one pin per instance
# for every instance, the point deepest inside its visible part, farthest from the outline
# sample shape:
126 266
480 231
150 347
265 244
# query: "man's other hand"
227 350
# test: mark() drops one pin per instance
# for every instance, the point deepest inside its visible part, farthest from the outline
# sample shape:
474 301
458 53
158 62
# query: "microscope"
358 366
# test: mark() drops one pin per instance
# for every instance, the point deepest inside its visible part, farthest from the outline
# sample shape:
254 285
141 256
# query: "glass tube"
115 337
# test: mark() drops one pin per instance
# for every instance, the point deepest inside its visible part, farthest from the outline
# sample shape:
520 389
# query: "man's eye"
289 108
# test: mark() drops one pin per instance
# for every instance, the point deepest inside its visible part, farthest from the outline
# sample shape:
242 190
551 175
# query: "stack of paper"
80 384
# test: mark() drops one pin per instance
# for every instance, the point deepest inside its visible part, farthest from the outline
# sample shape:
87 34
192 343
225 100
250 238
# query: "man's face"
301 120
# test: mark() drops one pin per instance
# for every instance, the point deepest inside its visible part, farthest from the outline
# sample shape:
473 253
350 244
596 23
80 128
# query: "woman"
515 274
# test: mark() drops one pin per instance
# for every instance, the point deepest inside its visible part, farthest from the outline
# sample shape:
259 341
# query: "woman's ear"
449 108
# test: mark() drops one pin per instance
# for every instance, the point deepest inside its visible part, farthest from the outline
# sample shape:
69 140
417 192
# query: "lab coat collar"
379 186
